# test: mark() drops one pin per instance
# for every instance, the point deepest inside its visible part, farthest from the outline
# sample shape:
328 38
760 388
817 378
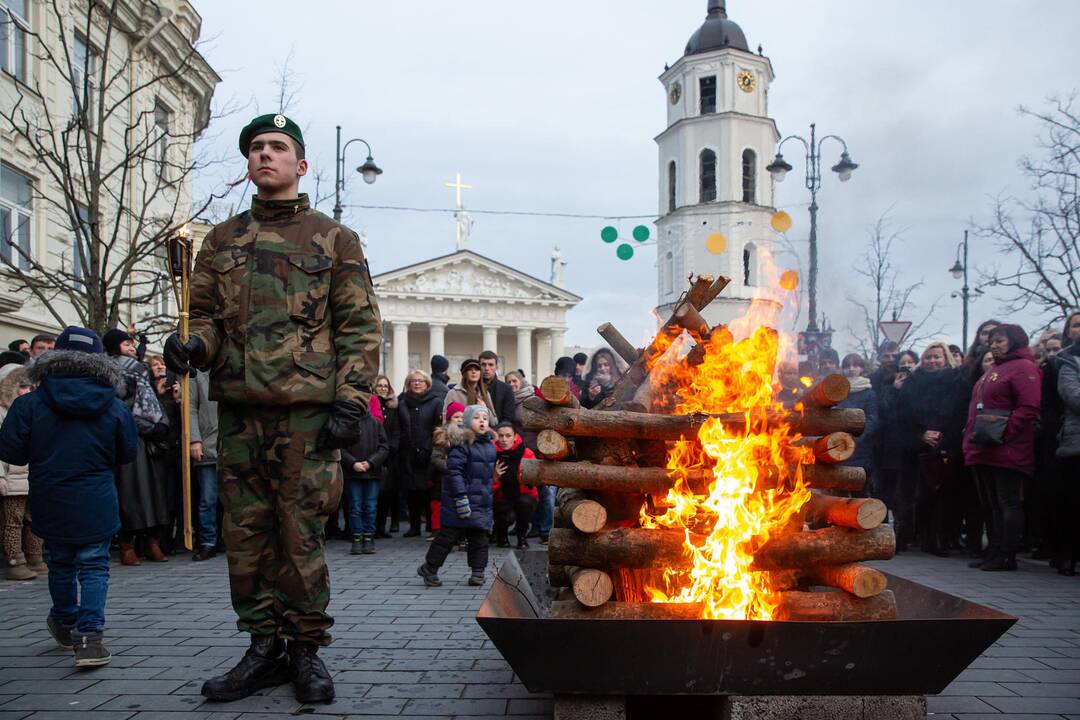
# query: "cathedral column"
491 338
558 344
524 351
437 338
401 354
544 362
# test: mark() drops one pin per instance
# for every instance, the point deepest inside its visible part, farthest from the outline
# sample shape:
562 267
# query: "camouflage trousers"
277 490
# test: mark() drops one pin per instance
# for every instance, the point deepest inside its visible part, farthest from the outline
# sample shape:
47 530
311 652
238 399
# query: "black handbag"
990 424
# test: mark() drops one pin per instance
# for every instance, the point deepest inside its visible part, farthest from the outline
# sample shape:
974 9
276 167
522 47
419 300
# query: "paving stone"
956 704
980 689
1045 689
1048 705
153 703
444 708
416 690
135 687
46 701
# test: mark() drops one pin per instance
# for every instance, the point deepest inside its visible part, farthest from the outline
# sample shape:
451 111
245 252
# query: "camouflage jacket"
282 299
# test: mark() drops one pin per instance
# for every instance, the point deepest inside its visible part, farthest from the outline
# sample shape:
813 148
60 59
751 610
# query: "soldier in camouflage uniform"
284 317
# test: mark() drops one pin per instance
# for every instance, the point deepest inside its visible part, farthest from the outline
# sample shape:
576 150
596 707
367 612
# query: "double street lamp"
779 168
369 170
960 270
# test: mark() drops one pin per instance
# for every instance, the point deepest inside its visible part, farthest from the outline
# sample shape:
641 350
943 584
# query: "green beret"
269 123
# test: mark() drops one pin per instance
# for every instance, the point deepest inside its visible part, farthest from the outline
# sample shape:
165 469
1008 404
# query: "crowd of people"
975 451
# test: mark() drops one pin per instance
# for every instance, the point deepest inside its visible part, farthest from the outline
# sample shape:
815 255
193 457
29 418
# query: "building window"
16 214
14 31
749 176
84 62
749 265
707 93
162 118
708 176
164 292
671 186
80 248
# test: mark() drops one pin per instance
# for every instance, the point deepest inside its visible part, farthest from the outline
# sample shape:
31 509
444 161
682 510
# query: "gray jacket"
204 419
1069 390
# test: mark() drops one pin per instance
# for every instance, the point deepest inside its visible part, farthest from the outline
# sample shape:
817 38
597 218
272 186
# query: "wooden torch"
180 265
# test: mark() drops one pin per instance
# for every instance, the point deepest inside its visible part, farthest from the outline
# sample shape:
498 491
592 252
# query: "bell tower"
715 199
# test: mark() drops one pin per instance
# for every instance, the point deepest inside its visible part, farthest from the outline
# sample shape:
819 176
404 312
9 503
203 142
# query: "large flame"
735 487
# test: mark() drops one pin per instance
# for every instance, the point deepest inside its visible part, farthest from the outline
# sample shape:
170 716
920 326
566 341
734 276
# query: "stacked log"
609 462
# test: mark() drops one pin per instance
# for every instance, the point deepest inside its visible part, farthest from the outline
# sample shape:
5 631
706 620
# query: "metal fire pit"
934 638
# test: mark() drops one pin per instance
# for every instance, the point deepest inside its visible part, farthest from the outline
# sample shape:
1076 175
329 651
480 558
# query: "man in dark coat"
501 394
440 380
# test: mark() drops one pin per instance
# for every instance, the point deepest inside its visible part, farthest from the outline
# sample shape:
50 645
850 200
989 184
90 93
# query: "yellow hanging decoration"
781 221
716 243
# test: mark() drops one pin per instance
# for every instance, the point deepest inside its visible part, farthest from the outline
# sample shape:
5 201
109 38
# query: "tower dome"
717 32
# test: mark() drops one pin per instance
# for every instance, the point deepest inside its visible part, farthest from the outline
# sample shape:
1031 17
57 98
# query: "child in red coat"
513 501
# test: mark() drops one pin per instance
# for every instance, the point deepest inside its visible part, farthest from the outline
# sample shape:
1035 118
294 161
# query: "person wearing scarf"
514 502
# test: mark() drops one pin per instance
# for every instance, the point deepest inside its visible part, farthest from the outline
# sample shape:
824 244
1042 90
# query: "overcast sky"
552 107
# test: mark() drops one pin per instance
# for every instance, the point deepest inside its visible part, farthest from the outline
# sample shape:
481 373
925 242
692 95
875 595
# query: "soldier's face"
272 163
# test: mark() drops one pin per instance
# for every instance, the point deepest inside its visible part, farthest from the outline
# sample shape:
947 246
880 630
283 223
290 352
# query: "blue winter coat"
72 432
470 470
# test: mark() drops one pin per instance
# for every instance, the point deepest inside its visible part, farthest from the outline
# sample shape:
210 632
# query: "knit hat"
454 407
79 338
10 357
472 410
468 363
439 364
113 338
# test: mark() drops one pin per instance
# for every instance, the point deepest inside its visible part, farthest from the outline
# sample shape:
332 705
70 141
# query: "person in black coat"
389 496
361 465
419 413
440 379
502 395
936 404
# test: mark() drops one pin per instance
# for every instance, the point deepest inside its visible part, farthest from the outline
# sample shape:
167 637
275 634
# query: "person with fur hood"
22 549
73 500
467 497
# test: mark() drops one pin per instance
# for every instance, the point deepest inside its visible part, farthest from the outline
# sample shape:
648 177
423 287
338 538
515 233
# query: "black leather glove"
343 427
179 355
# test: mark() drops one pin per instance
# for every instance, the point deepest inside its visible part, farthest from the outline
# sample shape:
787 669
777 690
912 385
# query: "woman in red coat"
1013 384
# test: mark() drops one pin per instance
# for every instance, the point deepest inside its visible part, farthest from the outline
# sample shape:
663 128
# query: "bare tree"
1041 234
116 168
891 300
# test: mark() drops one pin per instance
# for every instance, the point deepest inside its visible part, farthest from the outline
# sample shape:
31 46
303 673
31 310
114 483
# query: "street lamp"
369 170
960 270
779 168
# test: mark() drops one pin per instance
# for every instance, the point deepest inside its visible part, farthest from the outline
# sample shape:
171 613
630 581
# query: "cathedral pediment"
466 274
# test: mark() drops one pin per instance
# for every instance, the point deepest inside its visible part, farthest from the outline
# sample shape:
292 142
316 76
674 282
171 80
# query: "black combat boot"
310 678
265 664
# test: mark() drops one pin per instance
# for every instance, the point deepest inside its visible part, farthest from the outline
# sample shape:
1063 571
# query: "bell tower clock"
715 199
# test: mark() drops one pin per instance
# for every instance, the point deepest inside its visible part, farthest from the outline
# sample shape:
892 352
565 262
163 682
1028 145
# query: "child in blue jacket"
73 433
467 497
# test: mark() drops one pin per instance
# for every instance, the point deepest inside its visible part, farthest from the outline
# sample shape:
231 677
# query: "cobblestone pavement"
402 650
